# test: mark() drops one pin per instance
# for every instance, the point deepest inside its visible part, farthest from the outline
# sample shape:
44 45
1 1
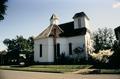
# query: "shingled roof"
49 32
81 14
65 29
76 32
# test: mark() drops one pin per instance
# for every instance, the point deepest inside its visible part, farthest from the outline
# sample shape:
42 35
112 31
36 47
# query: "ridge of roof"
80 14
47 32
75 32
67 29
42 34
66 23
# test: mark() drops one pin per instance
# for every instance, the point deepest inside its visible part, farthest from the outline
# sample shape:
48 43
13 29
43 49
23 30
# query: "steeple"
54 19
81 20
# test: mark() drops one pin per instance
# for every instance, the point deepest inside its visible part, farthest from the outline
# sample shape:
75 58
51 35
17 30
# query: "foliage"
101 59
78 50
3 57
62 59
107 58
78 57
2 8
17 46
103 39
102 56
114 59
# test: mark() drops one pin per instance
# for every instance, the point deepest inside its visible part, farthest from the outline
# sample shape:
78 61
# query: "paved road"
8 74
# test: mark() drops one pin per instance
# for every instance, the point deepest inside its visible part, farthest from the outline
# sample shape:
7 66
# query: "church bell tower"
54 20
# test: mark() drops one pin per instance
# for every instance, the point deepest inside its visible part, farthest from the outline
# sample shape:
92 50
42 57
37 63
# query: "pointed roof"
49 32
63 30
54 17
81 14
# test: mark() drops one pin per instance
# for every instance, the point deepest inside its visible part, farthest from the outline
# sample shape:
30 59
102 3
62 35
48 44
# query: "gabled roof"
67 27
81 14
54 17
75 32
69 30
64 30
48 32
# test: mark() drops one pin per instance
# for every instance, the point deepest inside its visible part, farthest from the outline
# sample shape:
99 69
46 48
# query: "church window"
58 49
70 48
40 50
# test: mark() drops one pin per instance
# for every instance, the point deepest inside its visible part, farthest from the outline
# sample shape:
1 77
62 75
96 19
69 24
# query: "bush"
70 60
101 59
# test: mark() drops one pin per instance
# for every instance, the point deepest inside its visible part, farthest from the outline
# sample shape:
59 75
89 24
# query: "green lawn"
110 71
79 69
49 68
62 66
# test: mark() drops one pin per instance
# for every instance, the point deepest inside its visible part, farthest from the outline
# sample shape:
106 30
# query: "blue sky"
30 17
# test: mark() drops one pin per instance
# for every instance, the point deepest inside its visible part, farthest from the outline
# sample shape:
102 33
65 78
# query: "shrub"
101 59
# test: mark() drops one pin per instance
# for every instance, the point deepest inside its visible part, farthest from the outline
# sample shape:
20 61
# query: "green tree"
2 8
19 45
103 39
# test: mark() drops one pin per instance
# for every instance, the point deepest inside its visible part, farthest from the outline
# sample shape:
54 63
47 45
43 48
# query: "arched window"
58 49
70 48
40 50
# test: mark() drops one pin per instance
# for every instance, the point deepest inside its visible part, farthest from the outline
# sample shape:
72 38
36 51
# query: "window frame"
40 50
58 49
79 22
70 48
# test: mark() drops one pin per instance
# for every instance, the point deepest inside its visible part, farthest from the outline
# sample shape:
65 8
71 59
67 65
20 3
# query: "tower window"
40 50
79 22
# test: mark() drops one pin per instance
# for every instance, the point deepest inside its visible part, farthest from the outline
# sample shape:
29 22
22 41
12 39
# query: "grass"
110 71
98 71
49 68
62 66
79 69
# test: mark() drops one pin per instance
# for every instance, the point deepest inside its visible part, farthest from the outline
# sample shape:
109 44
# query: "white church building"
63 38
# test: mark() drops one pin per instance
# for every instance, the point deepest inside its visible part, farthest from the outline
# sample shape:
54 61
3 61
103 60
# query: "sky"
31 17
